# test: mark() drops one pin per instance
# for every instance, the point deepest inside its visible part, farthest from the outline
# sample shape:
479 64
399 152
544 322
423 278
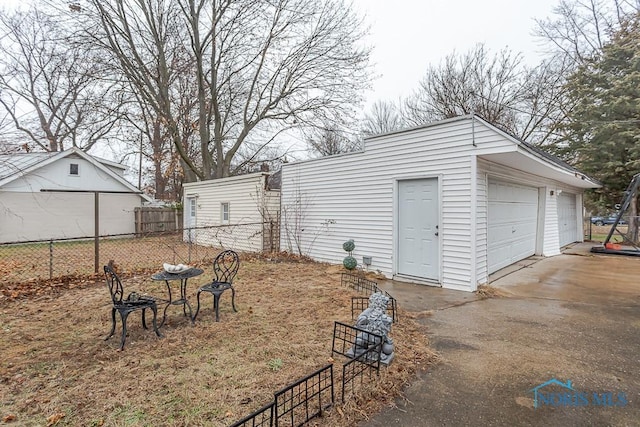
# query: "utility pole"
140 165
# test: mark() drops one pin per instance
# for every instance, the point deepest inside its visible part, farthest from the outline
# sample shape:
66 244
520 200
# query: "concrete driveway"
574 317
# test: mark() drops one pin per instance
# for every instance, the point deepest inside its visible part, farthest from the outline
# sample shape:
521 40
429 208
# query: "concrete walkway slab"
572 317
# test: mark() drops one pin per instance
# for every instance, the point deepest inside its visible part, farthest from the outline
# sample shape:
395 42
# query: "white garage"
513 222
445 204
61 195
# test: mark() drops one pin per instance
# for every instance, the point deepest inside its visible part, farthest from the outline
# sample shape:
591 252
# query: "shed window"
224 212
73 169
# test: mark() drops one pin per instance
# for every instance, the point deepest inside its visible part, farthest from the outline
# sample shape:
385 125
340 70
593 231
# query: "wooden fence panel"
157 219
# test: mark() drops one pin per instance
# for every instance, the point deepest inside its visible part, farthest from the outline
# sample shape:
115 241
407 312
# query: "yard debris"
40 287
487 291
54 419
8 418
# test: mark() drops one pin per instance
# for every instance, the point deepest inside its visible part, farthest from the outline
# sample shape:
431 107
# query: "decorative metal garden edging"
359 283
297 403
310 396
305 399
368 287
261 418
355 368
353 342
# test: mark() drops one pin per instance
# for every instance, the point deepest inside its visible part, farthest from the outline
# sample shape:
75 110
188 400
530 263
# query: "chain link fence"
597 228
82 257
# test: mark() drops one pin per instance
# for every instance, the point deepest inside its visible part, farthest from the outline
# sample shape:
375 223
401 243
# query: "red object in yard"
613 246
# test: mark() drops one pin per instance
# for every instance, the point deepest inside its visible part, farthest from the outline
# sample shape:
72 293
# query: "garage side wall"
49 215
482 212
353 196
247 201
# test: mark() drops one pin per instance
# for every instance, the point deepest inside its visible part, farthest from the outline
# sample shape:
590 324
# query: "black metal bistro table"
183 301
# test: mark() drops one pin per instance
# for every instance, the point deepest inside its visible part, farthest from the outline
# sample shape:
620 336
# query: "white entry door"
191 216
513 223
418 229
567 219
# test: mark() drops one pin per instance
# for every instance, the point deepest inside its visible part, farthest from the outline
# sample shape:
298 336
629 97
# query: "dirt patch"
56 368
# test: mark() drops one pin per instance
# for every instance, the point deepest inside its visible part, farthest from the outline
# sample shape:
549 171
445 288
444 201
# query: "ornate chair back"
225 266
114 284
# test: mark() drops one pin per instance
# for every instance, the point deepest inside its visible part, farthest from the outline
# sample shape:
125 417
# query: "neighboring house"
446 203
54 195
239 212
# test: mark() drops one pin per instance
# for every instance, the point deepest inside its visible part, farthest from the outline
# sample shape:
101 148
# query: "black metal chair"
225 268
124 306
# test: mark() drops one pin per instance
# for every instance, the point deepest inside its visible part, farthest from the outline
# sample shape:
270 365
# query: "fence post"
96 223
51 259
189 231
271 237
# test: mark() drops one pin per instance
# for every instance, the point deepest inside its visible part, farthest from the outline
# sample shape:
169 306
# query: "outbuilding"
65 194
238 212
447 203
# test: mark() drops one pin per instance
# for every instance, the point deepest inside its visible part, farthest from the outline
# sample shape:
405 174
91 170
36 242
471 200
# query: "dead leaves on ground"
54 419
39 287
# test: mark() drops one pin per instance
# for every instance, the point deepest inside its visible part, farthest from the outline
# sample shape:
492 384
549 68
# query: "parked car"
606 220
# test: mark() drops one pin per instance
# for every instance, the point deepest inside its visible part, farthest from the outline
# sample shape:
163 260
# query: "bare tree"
579 29
257 65
50 87
384 117
544 104
475 82
332 139
151 138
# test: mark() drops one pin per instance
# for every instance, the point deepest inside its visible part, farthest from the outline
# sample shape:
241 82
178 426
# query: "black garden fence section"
308 397
297 403
261 418
305 399
367 287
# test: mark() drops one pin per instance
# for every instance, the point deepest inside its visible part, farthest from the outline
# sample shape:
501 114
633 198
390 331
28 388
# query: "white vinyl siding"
353 196
53 215
481 227
328 201
248 206
57 176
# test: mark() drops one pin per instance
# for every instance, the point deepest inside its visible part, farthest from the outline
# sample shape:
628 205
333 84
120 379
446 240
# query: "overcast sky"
409 35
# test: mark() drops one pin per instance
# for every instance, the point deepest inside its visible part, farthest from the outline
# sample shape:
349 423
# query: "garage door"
567 219
513 222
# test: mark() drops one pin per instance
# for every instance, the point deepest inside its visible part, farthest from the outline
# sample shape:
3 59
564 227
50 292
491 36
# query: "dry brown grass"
56 368
488 291
36 261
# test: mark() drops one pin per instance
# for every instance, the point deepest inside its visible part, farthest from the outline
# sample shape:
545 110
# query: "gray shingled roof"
11 164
